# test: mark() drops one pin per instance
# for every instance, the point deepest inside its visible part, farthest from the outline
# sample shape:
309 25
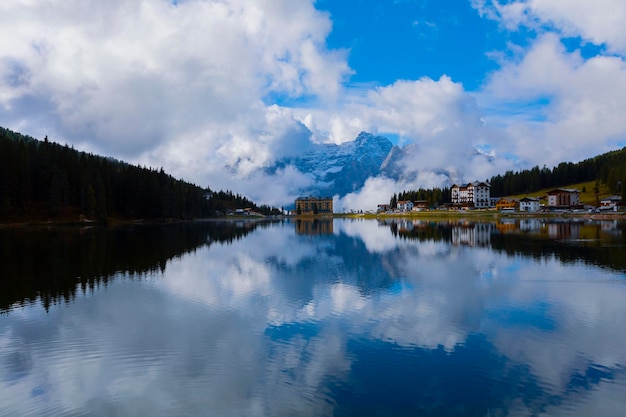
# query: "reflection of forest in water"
601 243
52 263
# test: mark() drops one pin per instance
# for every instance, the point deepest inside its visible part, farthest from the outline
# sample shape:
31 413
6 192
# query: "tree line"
433 196
608 169
42 180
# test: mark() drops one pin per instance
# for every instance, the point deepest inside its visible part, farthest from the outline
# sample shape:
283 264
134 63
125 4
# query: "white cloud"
375 237
556 105
145 77
421 109
579 112
417 110
375 191
599 22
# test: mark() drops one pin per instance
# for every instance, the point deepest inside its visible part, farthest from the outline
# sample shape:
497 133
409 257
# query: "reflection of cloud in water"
276 315
377 238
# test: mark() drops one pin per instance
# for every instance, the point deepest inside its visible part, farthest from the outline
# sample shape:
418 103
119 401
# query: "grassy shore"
588 195
484 215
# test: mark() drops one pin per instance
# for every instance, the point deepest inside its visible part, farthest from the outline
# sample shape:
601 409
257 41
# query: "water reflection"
591 241
314 226
51 263
377 318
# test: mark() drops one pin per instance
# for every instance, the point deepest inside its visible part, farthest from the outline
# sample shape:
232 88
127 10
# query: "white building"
529 204
405 205
473 195
610 203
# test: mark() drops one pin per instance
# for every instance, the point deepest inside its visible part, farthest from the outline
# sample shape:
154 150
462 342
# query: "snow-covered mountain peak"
340 169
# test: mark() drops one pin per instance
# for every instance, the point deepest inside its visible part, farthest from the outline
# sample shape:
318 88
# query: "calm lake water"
315 318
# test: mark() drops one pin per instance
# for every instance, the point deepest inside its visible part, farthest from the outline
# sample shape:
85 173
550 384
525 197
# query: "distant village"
477 195
470 196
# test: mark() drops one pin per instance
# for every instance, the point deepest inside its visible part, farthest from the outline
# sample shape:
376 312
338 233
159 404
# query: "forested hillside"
608 169
434 196
41 180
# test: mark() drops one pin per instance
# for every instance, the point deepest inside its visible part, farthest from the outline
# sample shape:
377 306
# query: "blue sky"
214 91
390 40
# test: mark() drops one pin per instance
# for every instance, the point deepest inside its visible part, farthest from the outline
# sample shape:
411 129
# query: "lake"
518 317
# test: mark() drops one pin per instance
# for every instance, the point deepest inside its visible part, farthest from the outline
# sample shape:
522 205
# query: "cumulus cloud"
599 22
138 80
579 102
414 109
555 104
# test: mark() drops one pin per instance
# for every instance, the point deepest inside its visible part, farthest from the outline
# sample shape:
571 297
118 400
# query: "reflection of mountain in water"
342 259
50 264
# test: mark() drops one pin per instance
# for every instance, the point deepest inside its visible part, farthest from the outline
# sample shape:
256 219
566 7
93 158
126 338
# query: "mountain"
391 166
339 169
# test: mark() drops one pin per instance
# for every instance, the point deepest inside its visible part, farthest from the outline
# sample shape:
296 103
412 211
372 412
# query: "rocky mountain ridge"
339 169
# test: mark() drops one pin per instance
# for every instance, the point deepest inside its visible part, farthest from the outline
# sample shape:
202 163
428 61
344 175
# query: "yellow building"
507 203
314 205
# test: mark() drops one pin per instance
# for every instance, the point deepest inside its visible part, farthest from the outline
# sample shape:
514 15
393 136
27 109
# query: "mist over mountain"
402 164
365 170
339 169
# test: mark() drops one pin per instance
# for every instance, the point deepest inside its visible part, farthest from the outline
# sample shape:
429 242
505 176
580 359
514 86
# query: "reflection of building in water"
405 226
314 205
506 225
314 226
530 225
563 230
411 229
476 234
609 225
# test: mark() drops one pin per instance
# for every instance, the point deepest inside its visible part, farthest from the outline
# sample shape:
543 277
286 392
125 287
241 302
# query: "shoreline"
494 215
421 215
